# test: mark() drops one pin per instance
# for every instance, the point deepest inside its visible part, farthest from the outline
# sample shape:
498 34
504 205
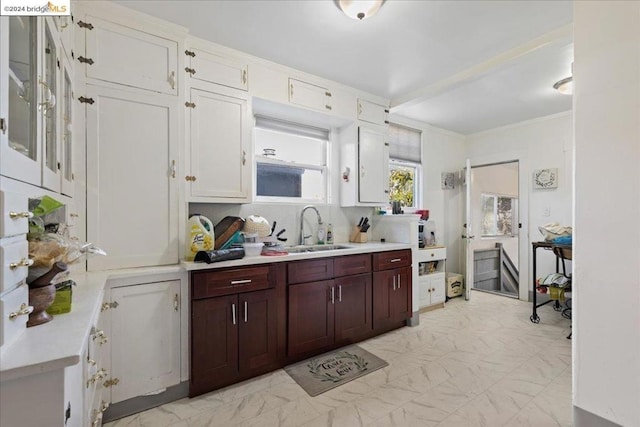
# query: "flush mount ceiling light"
359 9
564 86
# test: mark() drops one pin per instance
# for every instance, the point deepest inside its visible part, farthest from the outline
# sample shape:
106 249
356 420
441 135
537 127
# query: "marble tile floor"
474 363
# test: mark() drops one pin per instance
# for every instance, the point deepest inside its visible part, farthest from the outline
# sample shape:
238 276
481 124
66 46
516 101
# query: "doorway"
493 249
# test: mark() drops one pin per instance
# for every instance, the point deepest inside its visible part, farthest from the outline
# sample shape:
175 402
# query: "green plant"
401 184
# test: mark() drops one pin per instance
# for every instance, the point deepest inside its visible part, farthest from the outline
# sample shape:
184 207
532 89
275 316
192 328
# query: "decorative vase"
40 299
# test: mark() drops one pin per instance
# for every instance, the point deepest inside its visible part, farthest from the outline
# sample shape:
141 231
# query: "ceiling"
465 66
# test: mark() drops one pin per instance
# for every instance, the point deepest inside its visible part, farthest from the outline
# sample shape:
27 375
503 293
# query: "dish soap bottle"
200 236
329 234
321 234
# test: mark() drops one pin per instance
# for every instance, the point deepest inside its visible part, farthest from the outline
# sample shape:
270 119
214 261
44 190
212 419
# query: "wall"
606 318
545 142
501 179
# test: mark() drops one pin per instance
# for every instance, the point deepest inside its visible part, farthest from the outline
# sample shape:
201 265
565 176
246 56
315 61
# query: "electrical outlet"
546 211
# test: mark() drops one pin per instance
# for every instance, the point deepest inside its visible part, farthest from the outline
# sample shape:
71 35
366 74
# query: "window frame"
417 180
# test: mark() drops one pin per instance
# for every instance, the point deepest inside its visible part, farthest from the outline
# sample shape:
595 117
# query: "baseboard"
431 307
582 418
142 403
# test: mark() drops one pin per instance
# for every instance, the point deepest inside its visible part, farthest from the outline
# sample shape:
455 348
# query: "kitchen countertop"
352 249
61 342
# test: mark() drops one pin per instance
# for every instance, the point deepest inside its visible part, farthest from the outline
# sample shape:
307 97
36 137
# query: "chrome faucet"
302 236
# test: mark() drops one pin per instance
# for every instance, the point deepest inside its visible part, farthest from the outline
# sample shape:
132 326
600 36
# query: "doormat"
333 369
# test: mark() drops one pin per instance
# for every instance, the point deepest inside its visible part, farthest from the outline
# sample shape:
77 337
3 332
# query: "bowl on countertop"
252 249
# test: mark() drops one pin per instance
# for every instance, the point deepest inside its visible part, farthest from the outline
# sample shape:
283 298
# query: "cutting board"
225 229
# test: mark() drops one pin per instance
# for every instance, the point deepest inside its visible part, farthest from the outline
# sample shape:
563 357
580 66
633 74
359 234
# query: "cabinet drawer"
14 258
310 271
14 309
432 254
216 283
352 264
391 259
15 213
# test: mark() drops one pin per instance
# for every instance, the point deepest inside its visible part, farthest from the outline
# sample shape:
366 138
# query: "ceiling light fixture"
359 9
564 86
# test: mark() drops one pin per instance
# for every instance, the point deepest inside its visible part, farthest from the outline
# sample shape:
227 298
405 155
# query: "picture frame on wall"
545 178
448 179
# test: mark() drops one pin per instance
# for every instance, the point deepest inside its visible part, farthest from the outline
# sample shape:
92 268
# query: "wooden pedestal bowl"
40 299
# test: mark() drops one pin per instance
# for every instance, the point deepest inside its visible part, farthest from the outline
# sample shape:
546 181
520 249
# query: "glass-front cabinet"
35 103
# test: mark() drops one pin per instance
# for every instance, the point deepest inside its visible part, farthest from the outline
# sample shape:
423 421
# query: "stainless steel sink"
315 248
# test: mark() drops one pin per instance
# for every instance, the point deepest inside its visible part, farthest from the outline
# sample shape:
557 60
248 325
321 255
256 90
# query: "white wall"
606 317
545 142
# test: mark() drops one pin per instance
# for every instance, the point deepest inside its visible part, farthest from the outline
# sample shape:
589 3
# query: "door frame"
524 185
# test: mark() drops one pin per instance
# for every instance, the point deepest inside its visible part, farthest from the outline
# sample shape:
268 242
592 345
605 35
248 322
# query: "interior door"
467 235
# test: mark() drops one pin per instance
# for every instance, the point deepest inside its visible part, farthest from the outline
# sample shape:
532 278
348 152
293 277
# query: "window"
499 215
291 161
405 156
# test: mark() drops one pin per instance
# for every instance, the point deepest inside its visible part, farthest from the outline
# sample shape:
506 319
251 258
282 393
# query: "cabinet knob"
24 262
22 311
18 215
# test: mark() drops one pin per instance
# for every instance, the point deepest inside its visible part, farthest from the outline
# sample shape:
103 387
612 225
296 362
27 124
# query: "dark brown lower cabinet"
232 337
329 313
391 298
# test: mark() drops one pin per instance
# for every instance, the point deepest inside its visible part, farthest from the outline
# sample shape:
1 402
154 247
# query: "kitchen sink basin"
315 248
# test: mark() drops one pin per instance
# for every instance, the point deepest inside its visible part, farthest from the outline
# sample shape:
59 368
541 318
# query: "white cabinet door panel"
220 154
145 349
131 57
373 158
373 113
131 192
217 69
308 95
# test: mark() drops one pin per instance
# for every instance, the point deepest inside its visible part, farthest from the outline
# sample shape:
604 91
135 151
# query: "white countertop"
61 342
353 248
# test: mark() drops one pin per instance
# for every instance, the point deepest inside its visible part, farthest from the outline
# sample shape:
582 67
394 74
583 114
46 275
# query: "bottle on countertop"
329 234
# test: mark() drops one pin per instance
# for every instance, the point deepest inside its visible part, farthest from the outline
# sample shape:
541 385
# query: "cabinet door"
119 54
145 329
352 307
214 343
220 154
309 95
20 155
373 159
391 298
49 80
132 194
438 288
373 113
311 316
213 68
258 335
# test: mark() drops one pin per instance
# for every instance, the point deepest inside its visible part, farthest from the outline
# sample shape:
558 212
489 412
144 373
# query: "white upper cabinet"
20 150
373 166
212 68
132 191
309 95
220 154
119 54
373 113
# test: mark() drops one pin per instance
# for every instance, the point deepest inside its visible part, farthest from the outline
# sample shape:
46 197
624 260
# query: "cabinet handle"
395 260
398 281
18 215
339 293
240 282
24 262
233 313
103 406
244 77
361 171
394 283
246 312
359 108
172 79
328 107
49 100
291 91
91 362
433 289
176 302
173 168
22 311
3 125
429 290
244 157
333 295
97 422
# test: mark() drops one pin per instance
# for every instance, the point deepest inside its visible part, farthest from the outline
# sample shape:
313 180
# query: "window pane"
488 215
504 216
499 214
402 184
